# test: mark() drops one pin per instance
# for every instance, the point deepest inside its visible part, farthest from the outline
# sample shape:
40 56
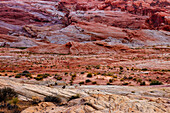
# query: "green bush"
59 78
155 82
130 77
125 83
139 80
87 81
89 75
110 74
81 82
82 72
15 100
18 76
121 68
43 75
110 80
25 73
142 83
38 78
97 67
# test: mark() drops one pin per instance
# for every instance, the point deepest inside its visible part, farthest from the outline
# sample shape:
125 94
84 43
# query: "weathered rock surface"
79 48
97 99
63 21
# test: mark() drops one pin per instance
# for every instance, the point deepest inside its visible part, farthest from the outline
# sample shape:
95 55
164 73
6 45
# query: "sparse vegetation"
81 82
88 80
54 99
155 82
74 97
143 83
94 82
7 93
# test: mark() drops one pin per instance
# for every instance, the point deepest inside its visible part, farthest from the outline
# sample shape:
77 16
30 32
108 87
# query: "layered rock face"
131 23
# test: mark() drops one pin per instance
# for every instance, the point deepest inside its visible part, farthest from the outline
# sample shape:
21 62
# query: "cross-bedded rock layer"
37 22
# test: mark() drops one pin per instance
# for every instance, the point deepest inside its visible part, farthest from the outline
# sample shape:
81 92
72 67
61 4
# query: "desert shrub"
15 71
125 77
139 80
15 100
18 76
132 68
132 91
43 75
130 77
144 69
122 79
46 75
87 81
97 67
73 75
74 97
125 83
3 71
142 83
108 83
7 93
114 76
88 68
110 74
71 82
81 82
110 80
54 99
104 74
121 68
82 72
25 73
58 78
89 75
134 79
94 82
9 71
155 82
57 74
38 78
